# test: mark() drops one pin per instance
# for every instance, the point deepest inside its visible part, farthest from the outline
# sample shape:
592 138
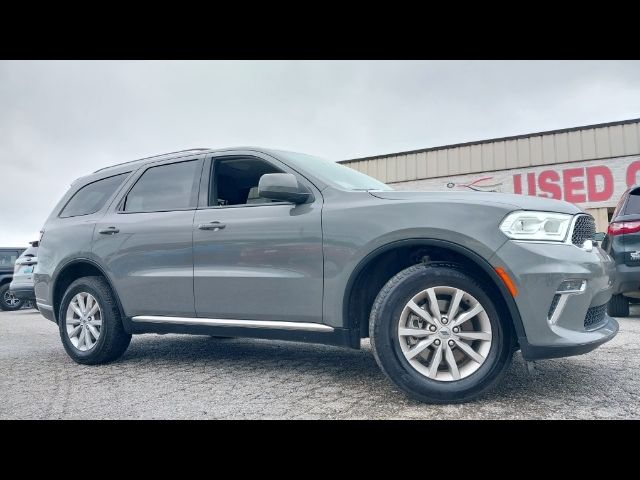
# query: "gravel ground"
187 377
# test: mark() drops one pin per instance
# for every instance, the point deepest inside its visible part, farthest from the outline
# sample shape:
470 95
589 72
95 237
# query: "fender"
93 263
455 247
6 277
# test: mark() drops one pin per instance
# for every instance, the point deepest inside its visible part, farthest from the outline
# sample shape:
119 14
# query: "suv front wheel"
436 333
90 323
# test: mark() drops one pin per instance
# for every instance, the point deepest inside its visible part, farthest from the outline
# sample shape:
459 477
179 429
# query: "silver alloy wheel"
84 321
444 333
10 300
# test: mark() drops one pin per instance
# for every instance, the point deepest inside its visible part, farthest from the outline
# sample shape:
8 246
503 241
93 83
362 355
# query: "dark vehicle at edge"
8 257
623 244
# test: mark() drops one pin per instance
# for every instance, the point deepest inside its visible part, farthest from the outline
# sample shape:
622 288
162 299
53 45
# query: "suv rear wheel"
90 323
618 306
436 334
7 300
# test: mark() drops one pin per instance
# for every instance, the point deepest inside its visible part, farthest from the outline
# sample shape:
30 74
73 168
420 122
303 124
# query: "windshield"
333 173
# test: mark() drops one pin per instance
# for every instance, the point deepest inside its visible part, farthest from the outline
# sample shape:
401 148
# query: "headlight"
526 225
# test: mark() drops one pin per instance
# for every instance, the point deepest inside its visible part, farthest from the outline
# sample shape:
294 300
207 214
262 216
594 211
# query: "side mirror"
283 187
598 237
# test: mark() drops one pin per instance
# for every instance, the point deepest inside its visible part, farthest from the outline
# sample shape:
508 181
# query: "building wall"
579 165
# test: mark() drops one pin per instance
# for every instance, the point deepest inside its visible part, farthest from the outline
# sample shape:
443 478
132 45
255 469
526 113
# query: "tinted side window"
8 258
633 204
166 187
91 198
235 181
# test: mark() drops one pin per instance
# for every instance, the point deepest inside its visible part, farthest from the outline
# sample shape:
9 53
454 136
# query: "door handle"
109 231
215 226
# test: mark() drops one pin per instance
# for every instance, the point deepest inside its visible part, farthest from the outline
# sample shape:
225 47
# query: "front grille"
584 228
595 316
554 304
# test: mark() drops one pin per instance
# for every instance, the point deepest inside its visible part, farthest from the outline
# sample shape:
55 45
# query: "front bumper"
538 270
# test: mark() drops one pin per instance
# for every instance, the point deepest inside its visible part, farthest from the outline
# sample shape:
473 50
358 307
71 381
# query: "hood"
518 202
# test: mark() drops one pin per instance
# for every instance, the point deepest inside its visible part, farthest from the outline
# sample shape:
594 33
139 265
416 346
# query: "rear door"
145 239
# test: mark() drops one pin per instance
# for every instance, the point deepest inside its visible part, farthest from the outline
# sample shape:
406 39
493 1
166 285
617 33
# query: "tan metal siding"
535 149
487 156
561 141
392 169
603 147
371 168
453 161
499 156
441 163
382 169
524 158
631 141
616 141
432 167
465 159
575 146
421 165
476 158
512 153
541 149
588 138
548 149
411 166
402 168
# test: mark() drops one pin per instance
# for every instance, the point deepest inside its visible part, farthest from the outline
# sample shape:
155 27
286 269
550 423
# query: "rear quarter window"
92 197
633 203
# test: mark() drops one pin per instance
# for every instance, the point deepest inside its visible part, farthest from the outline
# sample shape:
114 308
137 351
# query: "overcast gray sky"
62 120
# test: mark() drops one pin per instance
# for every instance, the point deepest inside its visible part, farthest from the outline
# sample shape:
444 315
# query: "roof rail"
153 156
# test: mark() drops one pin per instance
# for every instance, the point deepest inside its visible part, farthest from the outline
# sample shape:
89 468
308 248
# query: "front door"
255 259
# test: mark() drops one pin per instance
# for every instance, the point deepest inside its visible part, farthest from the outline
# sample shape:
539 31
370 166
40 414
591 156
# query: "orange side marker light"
507 281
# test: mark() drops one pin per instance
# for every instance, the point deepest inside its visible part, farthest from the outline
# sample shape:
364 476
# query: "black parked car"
8 257
623 244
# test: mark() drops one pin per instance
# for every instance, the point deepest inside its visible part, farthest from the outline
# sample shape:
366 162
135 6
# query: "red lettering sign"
573 180
546 183
517 184
531 182
632 171
607 179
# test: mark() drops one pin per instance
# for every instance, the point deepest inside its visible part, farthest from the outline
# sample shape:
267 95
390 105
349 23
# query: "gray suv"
261 243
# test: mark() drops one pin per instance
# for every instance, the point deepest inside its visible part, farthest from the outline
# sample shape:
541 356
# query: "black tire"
385 342
4 290
618 306
113 340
